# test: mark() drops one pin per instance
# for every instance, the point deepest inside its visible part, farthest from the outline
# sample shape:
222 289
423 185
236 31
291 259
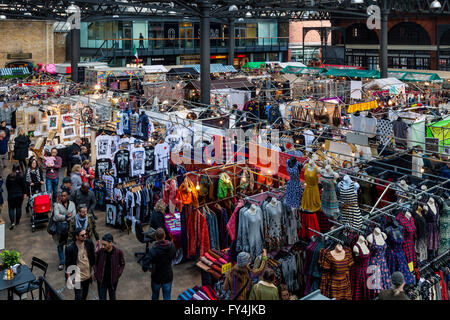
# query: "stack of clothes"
212 262
198 293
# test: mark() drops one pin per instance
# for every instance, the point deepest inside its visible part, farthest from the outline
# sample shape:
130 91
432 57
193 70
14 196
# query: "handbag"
62 227
51 226
336 117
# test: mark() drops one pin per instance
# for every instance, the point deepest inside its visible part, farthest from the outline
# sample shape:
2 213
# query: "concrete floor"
134 283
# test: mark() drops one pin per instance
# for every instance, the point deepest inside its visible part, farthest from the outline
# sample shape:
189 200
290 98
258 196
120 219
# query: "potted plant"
9 258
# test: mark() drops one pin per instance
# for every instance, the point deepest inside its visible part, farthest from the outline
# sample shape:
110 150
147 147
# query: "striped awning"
13 71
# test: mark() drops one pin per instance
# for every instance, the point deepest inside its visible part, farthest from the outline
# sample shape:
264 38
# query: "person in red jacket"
109 265
87 173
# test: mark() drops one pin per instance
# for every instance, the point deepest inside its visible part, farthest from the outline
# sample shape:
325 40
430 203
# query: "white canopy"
155 69
384 84
292 64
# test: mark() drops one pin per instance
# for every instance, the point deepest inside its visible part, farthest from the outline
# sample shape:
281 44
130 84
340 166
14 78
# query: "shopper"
3 127
3 151
87 174
73 149
85 221
159 261
21 147
84 196
108 268
141 41
157 217
52 164
63 214
239 280
75 177
265 289
16 188
80 253
396 293
84 154
66 186
34 177
284 293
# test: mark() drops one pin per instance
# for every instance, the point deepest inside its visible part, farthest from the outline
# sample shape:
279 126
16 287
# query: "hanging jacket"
225 185
187 193
206 190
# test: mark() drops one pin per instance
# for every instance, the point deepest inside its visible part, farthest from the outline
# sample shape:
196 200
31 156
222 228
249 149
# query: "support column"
74 53
231 28
205 52
384 40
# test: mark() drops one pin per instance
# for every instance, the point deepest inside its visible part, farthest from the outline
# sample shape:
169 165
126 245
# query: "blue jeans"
166 289
52 187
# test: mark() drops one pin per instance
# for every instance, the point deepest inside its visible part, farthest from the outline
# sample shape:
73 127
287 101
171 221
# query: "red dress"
309 220
360 291
409 233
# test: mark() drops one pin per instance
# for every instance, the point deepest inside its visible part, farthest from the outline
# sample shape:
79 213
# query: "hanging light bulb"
197 187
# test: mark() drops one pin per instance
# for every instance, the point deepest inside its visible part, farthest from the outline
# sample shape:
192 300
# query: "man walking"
84 196
80 253
84 221
52 174
109 265
159 261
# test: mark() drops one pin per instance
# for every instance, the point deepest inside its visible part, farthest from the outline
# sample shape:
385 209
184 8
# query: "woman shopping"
16 188
75 177
87 173
21 147
64 212
34 177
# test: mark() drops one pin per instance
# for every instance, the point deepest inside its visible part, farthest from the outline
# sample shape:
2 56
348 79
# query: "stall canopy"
338 66
383 84
291 64
303 70
12 72
253 65
155 69
182 72
352 73
414 76
215 68
441 130
237 83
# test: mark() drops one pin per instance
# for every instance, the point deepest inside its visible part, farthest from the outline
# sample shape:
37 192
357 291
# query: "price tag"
226 267
411 266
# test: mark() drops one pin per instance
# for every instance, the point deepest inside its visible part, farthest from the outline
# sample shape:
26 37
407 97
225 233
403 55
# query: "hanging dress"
328 199
335 281
409 233
311 196
444 234
360 291
382 274
432 228
395 257
351 213
293 188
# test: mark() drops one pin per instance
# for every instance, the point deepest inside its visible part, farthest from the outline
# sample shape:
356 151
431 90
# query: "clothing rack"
346 226
437 259
325 236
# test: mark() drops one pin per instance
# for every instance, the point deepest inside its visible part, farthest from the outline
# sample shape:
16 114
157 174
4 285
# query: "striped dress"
335 282
351 213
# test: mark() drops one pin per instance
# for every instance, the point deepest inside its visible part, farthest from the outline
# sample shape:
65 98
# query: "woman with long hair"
34 177
16 187
21 147
75 177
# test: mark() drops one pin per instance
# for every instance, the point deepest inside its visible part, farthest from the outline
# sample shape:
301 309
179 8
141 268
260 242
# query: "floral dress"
395 257
293 188
382 279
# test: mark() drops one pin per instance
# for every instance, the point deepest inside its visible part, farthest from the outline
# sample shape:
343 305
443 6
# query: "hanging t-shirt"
111 213
109 186
162 156
137 161
101 167
149 158
115 140
134 119
103 147
126 122
99 191
122 162
119 130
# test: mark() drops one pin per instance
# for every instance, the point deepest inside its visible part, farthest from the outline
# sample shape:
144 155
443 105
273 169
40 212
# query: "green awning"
414 76
441 130
353 73
303 70
253 65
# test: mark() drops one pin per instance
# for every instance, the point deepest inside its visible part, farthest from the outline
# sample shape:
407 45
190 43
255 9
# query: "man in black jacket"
159 261
81 255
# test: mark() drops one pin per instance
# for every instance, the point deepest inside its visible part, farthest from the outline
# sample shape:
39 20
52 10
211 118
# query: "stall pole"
384 40
74 53
231 28
205 51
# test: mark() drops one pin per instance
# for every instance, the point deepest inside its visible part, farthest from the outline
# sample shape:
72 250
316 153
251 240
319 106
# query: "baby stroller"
41 206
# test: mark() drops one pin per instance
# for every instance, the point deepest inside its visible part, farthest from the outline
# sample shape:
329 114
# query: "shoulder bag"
51 226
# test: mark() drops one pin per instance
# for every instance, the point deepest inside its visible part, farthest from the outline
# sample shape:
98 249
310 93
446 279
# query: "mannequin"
408 215
252 209
328 198
377 237
311 195
348 191
363 245
294 190
431 205
338 252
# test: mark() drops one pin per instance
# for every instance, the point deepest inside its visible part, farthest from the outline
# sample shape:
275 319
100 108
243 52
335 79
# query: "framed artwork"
68 132
39 143
85 130
32 118
44 128
20 117
43 116
52 123
68 119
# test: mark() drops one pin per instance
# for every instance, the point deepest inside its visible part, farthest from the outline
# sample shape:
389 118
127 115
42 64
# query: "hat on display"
243 259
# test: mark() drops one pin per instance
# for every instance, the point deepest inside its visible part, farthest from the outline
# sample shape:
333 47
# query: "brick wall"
60 47
35 37
296 31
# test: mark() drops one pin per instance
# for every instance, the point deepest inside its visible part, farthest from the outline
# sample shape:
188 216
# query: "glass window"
156 34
